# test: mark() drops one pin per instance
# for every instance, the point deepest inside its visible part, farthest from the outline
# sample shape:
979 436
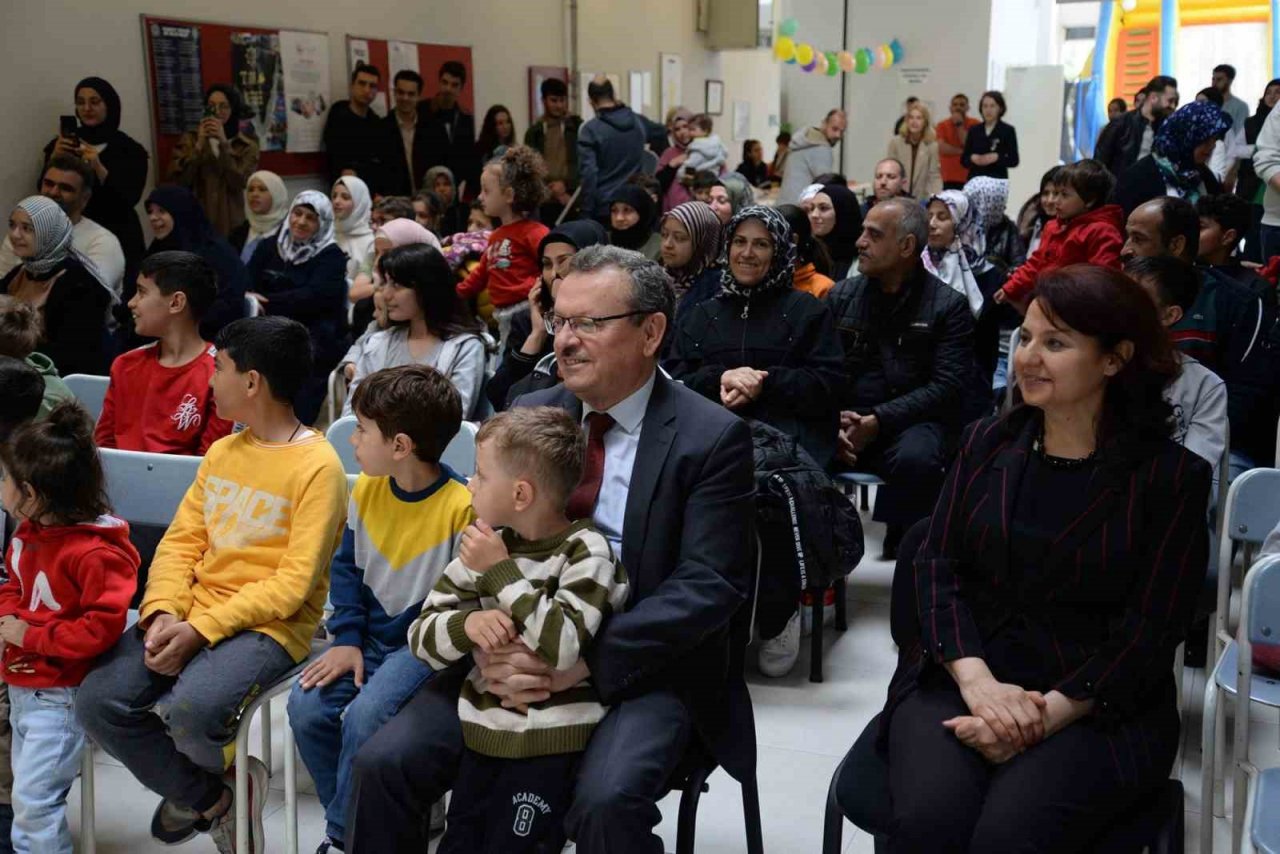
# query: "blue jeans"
47 743
330 724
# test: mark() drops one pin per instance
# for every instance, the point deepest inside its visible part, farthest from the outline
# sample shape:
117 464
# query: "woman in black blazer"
1059 573
991 148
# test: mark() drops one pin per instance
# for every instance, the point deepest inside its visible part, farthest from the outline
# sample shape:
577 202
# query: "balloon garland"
831 62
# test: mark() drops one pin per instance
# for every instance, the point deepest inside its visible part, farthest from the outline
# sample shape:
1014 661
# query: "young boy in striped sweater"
545 581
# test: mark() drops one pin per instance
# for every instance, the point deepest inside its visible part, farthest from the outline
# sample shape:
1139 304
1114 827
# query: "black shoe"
892 539
6 826
174 825
1196 652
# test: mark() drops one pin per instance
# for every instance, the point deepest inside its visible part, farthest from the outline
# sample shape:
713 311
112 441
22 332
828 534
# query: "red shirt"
952 169
72 585
509 265
1094 237
150 407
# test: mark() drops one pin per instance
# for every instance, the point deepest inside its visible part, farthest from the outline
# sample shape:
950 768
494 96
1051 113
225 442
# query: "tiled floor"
803 730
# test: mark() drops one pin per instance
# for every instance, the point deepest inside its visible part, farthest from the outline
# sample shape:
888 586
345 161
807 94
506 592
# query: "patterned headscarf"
988 198
260 225
782 267
704 232
301 253
954 264
1175 143
53 233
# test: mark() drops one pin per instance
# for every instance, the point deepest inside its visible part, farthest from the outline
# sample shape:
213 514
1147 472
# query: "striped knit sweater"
558 591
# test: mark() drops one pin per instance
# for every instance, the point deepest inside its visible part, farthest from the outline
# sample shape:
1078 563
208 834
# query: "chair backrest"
1252 510
1261 602
146 489
460 455
90 390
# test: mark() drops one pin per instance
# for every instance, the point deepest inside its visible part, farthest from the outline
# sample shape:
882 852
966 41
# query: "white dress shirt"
620 445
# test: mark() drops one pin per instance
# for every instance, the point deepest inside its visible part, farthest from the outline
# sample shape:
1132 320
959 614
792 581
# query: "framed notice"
715 97
671 68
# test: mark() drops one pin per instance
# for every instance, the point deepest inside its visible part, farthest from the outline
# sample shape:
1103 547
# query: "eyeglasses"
583 325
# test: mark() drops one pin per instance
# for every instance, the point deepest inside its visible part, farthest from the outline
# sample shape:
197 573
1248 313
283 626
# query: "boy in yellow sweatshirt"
235 593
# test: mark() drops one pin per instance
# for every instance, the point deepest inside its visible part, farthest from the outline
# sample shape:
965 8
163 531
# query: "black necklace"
1060 462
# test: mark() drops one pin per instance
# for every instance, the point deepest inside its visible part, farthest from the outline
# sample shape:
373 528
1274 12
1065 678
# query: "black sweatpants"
509 806
913 465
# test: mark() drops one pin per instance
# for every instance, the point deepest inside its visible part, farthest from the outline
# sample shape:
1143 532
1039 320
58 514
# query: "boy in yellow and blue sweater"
404 521
546 582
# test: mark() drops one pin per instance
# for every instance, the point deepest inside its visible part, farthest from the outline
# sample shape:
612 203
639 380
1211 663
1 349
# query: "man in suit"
672 478
407 157
450 131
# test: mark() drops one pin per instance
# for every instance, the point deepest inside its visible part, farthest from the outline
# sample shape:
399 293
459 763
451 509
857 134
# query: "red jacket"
72 585
509 265
1094 237
150 407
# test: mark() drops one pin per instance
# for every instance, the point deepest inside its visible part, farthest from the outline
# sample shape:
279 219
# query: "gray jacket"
810 155
460 358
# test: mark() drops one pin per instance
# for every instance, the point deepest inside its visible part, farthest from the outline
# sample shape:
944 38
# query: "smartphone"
210 111
67 126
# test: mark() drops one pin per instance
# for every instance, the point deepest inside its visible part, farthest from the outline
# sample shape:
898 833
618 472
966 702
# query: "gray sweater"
460 358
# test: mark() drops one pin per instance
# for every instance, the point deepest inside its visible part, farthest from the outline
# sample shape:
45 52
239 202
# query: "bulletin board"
207 54
430 57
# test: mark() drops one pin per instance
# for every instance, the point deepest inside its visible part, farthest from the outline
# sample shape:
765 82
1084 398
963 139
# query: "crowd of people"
629 318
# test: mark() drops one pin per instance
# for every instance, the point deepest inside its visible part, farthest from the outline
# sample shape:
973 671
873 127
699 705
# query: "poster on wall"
305 57
180 97
671 68
401 56
256 74
537 74
742 120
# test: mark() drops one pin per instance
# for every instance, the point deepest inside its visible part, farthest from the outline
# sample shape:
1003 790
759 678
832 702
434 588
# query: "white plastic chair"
337 396
862 481
460 455
90 390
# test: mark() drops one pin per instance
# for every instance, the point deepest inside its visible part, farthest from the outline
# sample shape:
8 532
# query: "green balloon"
833 64
861 62
788 27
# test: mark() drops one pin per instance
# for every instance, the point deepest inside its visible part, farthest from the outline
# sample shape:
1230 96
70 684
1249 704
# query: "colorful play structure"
1137 40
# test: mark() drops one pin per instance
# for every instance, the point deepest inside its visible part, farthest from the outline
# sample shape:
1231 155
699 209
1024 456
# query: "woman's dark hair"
488 139
809 249
833 178
1123 106
998 98
423 268
1262 102
1026 222
57 458
21 392
746 148
1212 95
1110 307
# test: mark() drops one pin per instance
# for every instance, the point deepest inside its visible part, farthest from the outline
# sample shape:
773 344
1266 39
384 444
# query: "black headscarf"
638 234
191 228
843 239
111 124
579 233
231 126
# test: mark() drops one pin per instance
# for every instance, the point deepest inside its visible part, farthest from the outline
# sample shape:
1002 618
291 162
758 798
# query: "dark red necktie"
582 503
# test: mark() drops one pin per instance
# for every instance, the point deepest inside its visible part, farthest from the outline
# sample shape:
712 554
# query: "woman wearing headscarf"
691 235
118 161
946 255
216 159
529 363
266 204
996 247
836 218
302 275
353 231
631 221
760 347
729 194
1177 165
54 279
673 191
813 262
178 222
439 180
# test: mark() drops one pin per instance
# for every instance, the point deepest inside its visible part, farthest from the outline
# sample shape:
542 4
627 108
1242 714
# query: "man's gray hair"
912 221
651 288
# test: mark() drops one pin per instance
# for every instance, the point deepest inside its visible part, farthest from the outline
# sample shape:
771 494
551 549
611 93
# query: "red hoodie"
1094 237
72 585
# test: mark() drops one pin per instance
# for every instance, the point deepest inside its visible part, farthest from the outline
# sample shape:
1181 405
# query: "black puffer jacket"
787 333
909 355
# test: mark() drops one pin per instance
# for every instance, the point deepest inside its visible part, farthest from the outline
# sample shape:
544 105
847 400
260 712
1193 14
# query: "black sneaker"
892 539
174 825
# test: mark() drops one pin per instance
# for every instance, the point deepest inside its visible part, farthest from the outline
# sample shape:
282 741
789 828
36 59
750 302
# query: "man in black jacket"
407 157
908 348
353 131
450 132
1127 139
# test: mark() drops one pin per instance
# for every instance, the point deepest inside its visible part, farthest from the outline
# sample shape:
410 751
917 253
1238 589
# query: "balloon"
862 60
883 57
820 60
896 47
846 60
804 54
810 65
833 64
788 27
785 49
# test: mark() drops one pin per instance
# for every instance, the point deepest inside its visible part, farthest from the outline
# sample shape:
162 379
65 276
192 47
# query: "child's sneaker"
224 827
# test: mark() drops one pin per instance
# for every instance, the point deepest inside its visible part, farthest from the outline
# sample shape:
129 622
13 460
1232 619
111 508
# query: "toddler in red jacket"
1086 230
72 572
511 189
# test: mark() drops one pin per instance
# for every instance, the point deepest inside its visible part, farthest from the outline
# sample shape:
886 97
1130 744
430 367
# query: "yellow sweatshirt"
250 545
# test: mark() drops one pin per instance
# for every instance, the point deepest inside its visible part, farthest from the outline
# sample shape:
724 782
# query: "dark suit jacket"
689 552
450 141
396 180
1119 588
1143 182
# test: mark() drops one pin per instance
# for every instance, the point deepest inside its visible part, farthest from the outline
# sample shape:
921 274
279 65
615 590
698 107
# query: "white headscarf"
808 193
53 233
301 253
953 264
356 223
260 225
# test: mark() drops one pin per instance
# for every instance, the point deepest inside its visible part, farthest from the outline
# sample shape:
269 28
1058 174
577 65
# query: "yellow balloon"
804 54
785 49
886 55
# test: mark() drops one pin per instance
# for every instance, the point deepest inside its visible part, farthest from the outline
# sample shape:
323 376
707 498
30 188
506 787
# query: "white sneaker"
778 655
223 831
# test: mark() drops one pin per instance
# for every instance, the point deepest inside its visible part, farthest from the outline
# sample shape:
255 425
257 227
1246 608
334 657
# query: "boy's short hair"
705 180
1177 282
21 393
543 443
1090 179
365 68
278 348
415 400
395 207
454 69
407 74
20 327
554 87
702 121
1228 210
176 270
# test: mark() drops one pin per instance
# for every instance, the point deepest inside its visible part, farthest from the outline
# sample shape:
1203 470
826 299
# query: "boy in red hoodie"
1085 231
72 572
511 190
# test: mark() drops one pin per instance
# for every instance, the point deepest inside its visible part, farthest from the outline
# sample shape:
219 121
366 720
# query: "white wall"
752 76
